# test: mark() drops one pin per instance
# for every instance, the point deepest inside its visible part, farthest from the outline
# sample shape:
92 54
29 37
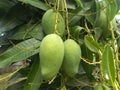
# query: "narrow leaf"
28 31
19 52
87 54
36 3
75 31
34 78
91 44
108 65
5 5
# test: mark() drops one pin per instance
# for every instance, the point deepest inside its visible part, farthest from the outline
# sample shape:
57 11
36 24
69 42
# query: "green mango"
51 56
49 22
72 53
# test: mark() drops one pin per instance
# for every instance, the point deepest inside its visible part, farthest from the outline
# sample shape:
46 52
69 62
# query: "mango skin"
51 56
72 53
49 21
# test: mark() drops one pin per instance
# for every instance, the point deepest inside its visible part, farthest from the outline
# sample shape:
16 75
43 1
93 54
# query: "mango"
51 56
49 22
72 53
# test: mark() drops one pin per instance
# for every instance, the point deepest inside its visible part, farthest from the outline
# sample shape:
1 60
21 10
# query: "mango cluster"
56 54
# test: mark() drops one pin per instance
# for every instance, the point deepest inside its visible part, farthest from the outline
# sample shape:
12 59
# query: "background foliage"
92 24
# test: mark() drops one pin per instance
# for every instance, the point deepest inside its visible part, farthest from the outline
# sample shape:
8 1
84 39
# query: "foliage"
91 23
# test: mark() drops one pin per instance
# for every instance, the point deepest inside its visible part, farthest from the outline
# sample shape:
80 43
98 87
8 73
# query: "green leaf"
19 52
7 24
108 65
98 33
79 3
13 19
37 32
28 31
34 78
112 9
75 16
91 44
75 31
21 33
87 54
70 4
5 5
36 3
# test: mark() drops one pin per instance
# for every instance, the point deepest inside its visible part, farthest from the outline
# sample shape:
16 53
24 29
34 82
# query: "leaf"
87 54
3 40
118 42
79 81
36 3
98 33
91 44
28 31
112 9
21 33
8 24
75 16
70 4
3 48
5 5
108 65
79 3
13 19
34 78
37 32
75 31
19 52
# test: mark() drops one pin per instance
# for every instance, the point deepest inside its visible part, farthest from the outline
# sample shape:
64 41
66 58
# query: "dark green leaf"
75 16
36 3
108 65
3 40
34 78
13 19
8 24
75 31
28 31
19 52
21 33
37 32
5 5
88 55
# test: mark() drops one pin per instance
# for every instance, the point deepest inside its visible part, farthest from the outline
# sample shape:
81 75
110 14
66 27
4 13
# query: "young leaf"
19 52
36 3
91 44
108 65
